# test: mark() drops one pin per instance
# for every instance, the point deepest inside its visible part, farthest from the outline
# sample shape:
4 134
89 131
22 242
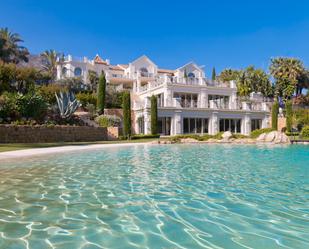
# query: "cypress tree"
289 115
154 115
274 115
126 108
101 93
213 75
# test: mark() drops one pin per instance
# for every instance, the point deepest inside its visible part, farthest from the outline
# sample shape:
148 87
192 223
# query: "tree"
50 58
101 93
126 108
286 72
10 50
228 74
289 115
213 74
154 115
274 115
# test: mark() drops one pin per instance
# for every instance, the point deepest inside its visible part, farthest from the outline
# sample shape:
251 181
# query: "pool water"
152 196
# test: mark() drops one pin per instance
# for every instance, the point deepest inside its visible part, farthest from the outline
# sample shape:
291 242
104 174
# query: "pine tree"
289 115
154 115
101 93
213 75
126 108
274 115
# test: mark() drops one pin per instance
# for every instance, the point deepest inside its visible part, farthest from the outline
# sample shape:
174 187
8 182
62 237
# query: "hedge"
257 133
126 107
142 136
305 132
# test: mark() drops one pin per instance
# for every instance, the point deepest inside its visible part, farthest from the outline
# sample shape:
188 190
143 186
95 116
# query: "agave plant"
67 104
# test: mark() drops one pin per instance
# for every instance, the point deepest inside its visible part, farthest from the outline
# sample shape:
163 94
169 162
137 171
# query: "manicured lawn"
22 146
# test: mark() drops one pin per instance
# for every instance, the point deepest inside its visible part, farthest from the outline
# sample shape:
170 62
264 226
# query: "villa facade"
188 102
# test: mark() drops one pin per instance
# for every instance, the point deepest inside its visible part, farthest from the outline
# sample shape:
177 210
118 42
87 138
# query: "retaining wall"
49 134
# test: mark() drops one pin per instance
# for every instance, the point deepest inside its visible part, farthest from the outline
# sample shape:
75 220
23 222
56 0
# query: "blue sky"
223 34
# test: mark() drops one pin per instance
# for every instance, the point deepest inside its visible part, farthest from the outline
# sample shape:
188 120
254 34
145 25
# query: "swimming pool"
154 196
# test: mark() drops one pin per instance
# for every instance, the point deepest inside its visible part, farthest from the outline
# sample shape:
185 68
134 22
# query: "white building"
187 101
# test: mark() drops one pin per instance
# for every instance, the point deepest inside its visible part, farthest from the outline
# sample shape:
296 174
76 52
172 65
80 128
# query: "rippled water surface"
178 196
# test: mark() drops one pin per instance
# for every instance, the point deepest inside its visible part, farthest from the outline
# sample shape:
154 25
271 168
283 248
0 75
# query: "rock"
212 140
227 135
275 137
261 137
270 137
188 140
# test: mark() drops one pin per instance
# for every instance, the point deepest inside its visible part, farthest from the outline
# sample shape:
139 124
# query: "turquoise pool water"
173 196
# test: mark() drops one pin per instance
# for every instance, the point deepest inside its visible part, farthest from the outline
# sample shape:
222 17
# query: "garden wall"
49 134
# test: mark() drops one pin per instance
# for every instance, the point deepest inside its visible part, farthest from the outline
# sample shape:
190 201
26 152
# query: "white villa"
188 102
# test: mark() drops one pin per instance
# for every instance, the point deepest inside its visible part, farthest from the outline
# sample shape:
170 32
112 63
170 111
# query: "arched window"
144 72
77 71
191 75
64 71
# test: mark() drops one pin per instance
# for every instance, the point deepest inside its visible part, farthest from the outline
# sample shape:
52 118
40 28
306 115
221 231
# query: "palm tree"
287 72
10 50
50 59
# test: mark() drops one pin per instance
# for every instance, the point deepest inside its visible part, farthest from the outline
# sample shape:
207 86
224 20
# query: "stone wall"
44 134
113 133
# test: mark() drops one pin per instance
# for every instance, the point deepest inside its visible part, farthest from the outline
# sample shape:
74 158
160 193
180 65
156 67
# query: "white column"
266 121
213 124
246 124
147 121
177 123
203 99
168 98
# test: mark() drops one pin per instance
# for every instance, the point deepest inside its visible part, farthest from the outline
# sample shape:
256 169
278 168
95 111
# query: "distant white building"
188 102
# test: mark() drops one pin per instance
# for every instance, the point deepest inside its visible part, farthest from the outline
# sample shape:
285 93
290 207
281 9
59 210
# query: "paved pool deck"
61 149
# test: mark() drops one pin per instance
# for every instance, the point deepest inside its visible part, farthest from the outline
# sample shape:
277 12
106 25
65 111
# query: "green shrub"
144 136
8 107
91 109
218 135
48 92
257 133
108 121
305 132
292 133
238 136
87 98
274 115
31 105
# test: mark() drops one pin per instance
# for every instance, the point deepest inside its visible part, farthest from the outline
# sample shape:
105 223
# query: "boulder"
275 137
188 141
270 137
261 137
227 135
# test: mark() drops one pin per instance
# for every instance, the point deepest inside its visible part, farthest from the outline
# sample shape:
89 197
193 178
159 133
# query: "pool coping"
61 149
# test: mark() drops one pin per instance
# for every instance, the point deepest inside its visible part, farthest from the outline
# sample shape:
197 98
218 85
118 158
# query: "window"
64 71
220 101
160 100
256 124
187 100
144 72
141 125
164 125
195 125
77 71
191 75
232 125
